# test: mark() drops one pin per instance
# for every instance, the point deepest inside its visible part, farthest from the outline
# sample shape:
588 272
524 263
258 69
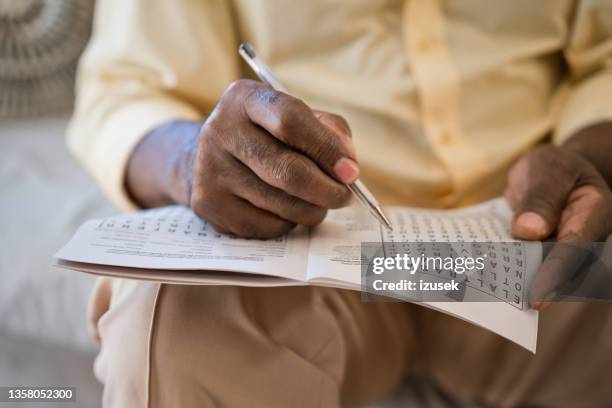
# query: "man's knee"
233 325
292 344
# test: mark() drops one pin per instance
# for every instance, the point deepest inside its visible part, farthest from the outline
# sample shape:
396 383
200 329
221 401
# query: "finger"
230 214
538 200
249 187
288 170
540 305
340 126
511 198
587 216
220 228
243 219
292 122
586 219
560 267
209 210
336 122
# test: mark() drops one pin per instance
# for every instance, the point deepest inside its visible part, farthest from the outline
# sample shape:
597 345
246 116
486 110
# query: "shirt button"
424 44
445 137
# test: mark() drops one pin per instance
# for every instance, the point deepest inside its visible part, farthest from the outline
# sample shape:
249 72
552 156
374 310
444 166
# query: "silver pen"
247 52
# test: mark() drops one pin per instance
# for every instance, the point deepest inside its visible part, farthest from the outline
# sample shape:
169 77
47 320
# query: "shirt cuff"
117 137
588 102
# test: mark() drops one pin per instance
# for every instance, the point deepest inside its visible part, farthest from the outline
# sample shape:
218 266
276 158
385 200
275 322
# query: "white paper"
172 245
173 238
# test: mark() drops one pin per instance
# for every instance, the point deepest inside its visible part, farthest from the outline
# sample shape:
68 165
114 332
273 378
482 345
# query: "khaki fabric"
442 95
310 346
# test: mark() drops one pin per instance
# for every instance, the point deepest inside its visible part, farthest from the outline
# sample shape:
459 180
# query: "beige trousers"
198 346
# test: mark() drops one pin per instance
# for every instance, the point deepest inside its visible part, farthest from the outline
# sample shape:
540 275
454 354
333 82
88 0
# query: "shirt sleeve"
148 62
589 58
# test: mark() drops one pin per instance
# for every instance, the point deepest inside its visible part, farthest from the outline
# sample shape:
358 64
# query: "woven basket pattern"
40 43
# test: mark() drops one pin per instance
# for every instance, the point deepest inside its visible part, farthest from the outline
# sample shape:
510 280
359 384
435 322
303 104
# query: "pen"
247 52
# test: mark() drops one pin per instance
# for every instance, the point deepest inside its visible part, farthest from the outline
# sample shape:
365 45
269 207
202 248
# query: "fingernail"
346 170
533 223
539 306
536 305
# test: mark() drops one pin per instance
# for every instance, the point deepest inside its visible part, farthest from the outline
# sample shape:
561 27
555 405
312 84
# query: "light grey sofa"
44 196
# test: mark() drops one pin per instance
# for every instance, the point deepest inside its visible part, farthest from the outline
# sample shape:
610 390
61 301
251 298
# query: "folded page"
174 238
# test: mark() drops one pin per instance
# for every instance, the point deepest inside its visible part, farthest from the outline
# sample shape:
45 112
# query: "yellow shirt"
442 95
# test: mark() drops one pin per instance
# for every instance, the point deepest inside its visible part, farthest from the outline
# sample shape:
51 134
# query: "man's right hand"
262 163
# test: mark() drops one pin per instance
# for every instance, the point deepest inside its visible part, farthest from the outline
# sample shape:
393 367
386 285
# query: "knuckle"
268 96
340 123
240 86
291 206
258 94
202 203
214 133
290 116
257 152
286 170
327 149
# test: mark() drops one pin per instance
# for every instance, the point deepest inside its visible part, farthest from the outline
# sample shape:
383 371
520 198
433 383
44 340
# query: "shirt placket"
439 93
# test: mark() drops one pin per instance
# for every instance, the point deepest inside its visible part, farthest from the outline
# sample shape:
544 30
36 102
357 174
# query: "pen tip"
384 219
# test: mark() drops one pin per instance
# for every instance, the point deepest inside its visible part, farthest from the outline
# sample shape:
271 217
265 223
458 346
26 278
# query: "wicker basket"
40 43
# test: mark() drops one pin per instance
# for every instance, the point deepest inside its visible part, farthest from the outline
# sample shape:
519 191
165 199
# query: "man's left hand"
557 192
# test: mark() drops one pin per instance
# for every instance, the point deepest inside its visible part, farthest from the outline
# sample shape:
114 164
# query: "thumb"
538 207
538 195
539 211
533 225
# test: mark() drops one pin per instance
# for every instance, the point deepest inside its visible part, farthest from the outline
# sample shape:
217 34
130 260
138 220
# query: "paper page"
335 246
482 230
495 299
186 277
174 238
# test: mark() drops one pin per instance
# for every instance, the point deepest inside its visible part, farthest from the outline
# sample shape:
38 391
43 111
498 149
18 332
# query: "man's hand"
556 192
262 162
